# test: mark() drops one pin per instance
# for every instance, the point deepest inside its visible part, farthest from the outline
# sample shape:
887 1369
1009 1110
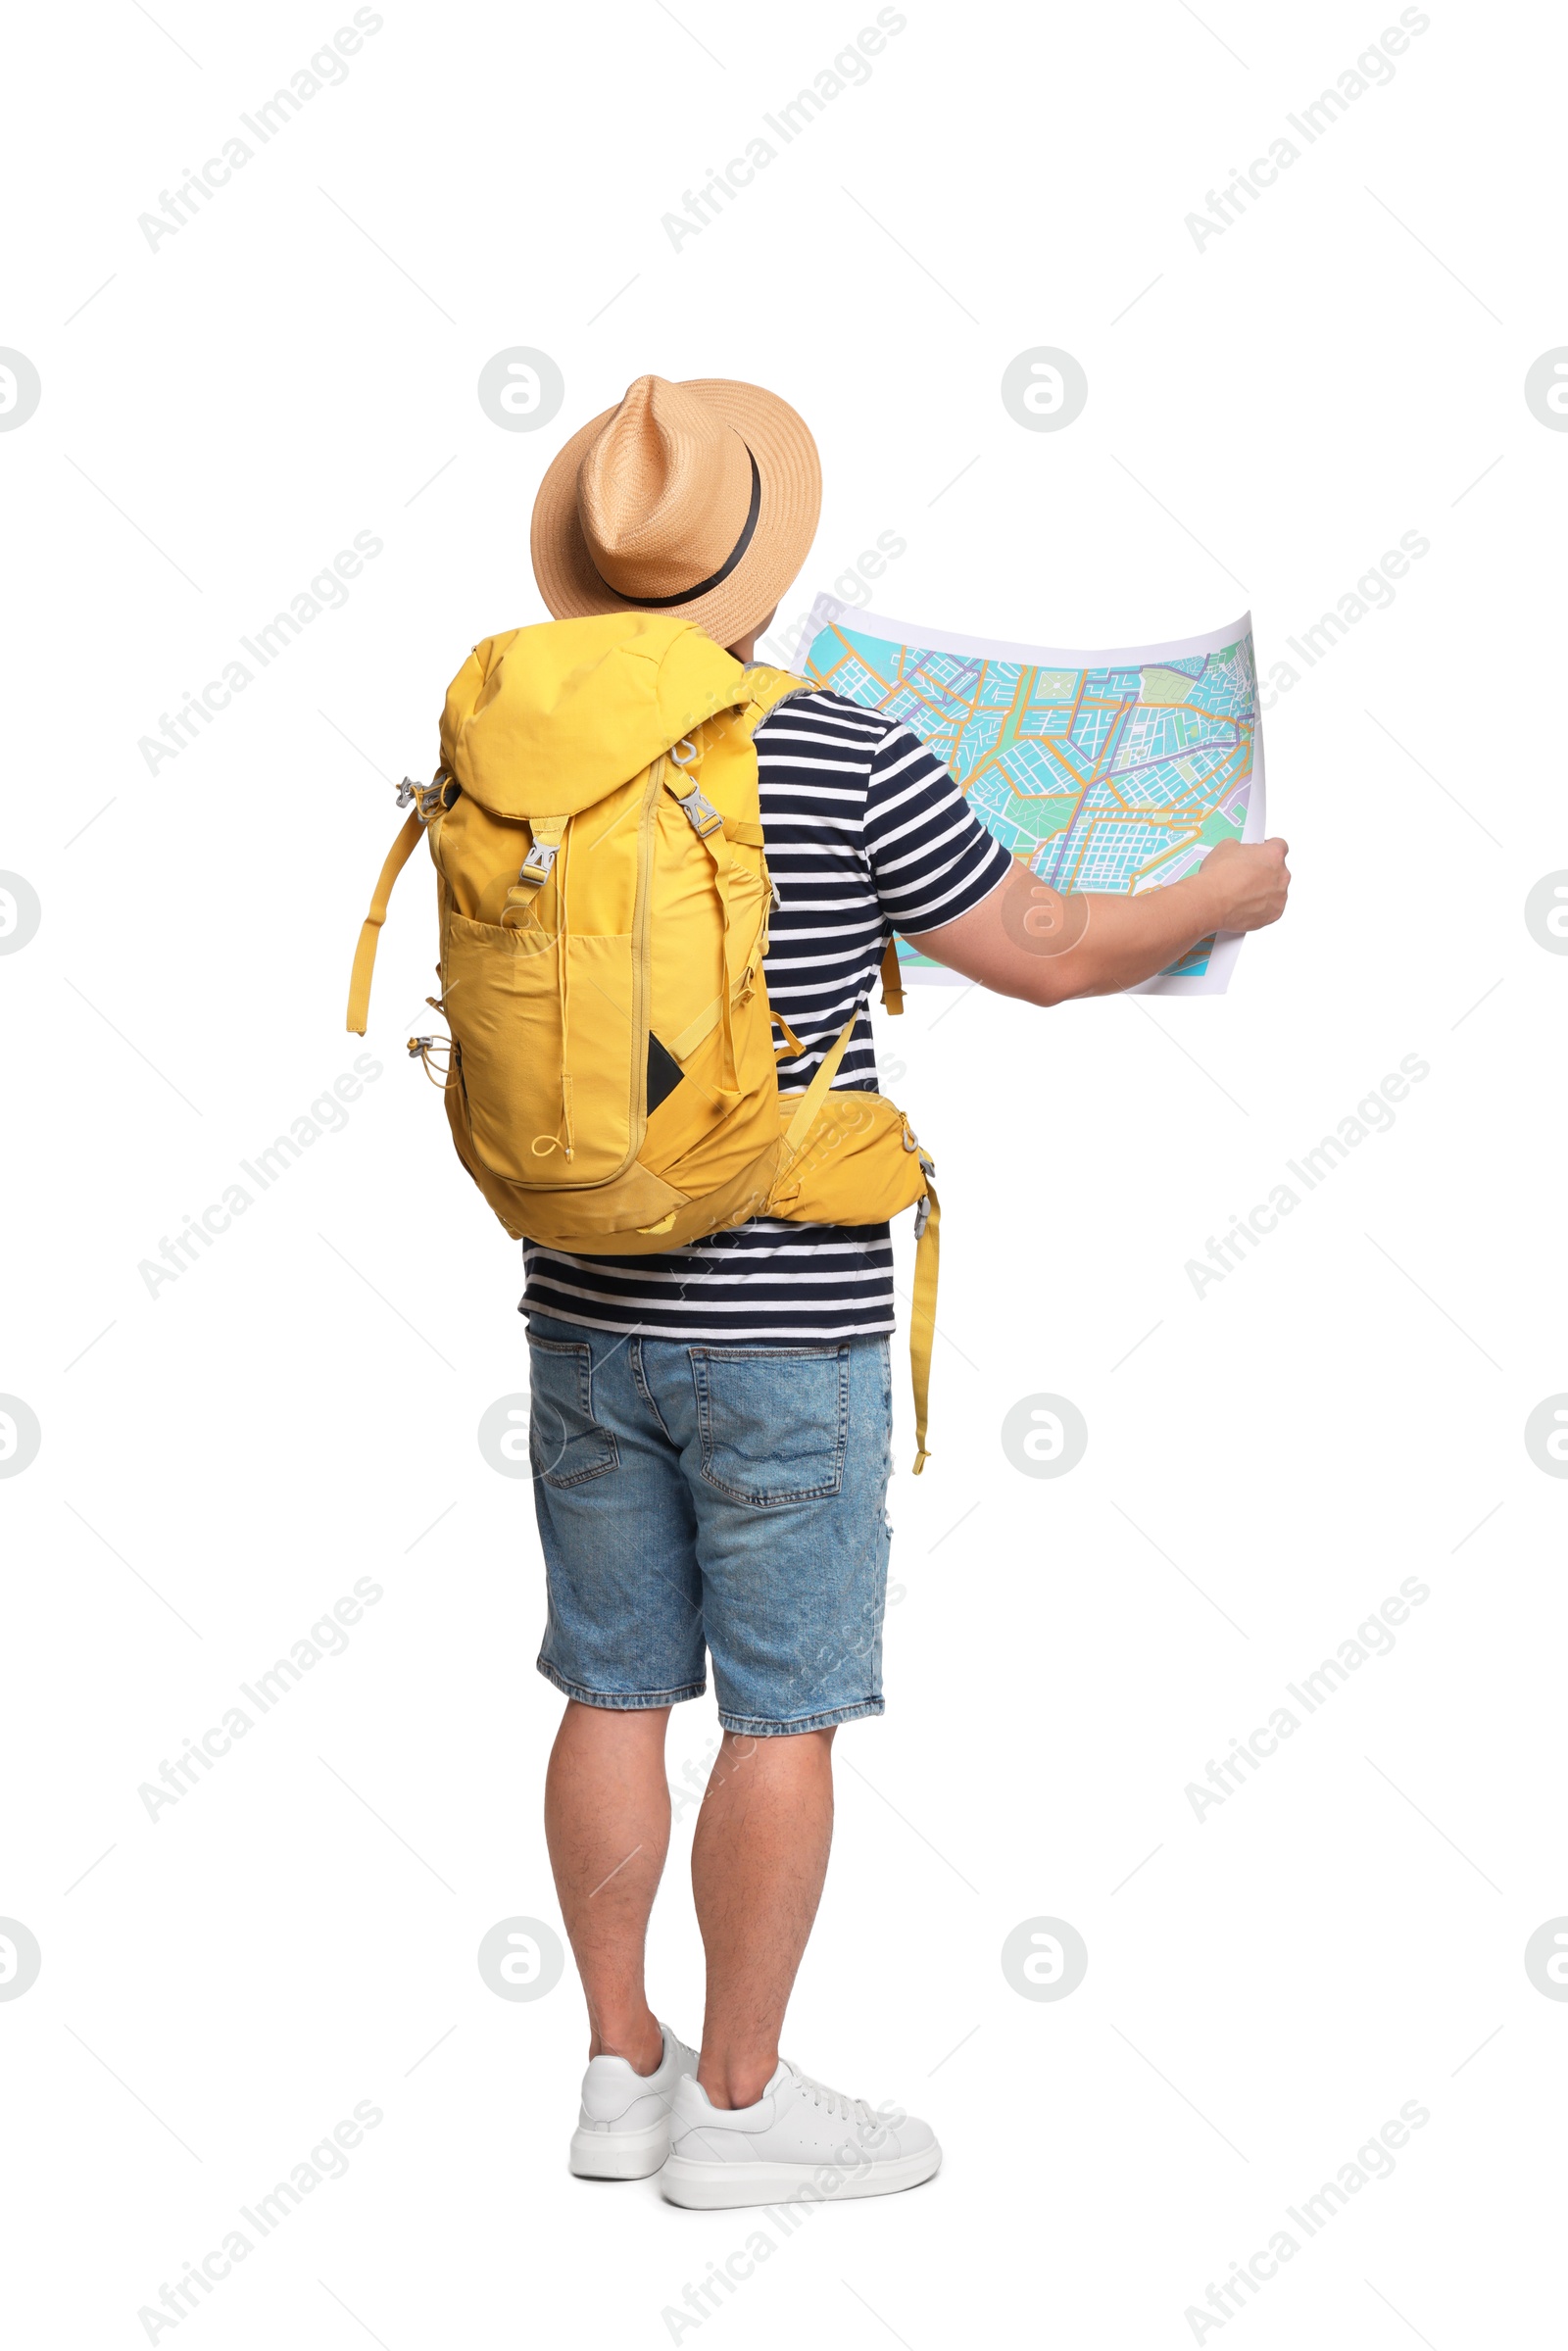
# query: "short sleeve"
931 858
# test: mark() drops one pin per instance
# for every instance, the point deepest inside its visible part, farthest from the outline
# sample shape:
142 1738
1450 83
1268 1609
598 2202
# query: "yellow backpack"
604 902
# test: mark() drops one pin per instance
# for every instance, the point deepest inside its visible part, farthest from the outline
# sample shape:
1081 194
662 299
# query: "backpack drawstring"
543 1145
564 969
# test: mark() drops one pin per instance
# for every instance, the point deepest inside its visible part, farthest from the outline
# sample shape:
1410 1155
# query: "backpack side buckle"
536 866
700 812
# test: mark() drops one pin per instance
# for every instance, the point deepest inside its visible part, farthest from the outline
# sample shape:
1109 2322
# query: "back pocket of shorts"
772 1420
567 1444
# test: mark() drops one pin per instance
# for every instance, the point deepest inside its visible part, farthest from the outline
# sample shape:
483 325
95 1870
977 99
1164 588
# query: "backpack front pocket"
552 1035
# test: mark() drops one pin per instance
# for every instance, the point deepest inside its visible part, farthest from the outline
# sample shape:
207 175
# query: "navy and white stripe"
867 834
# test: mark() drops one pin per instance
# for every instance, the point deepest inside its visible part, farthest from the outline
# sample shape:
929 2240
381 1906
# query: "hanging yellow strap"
924 1320
791 1047
923 1308
369 930
891 978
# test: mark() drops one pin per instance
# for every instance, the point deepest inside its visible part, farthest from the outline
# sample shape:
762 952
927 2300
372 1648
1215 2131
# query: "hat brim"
791 478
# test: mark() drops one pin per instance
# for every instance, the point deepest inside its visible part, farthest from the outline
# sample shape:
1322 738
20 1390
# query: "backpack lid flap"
548 719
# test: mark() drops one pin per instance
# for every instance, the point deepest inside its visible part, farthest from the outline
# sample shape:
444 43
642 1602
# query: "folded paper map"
1114 772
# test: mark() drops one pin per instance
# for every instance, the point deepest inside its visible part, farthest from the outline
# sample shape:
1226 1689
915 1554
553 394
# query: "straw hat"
697 499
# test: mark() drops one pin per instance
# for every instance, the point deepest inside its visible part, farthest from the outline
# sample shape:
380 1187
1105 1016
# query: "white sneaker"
623 2127
800 2141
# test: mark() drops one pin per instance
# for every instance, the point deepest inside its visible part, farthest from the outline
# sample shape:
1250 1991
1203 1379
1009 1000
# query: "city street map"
1110 772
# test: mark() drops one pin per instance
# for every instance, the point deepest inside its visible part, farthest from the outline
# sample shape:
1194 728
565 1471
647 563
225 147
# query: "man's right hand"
1249 885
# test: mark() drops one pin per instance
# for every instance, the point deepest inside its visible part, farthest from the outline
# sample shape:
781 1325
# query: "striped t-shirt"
867 834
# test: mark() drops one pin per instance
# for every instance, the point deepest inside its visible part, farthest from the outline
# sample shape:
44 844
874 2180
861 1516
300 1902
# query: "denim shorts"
696 1496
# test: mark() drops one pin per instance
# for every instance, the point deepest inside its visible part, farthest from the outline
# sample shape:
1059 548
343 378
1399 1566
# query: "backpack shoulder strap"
765 689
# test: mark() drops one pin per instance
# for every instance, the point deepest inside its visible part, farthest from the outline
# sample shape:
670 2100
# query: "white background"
221 1460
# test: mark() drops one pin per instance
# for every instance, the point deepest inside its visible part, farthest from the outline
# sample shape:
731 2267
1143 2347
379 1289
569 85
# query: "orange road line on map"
1047 742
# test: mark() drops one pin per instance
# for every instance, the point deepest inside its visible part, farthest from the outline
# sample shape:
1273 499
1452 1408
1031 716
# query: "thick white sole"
619 2154
713 2186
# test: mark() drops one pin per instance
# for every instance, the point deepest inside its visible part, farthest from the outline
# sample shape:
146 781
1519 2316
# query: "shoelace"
833 2101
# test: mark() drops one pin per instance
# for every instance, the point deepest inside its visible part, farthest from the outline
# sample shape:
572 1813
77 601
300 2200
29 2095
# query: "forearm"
1029 941
1120 941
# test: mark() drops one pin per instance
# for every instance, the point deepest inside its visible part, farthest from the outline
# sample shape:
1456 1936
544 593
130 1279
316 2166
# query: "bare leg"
607 1821
757 1865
